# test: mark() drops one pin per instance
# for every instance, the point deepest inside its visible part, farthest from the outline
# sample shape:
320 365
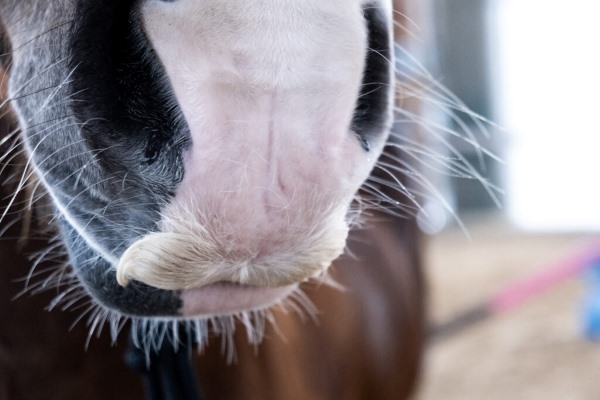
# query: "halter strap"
167 373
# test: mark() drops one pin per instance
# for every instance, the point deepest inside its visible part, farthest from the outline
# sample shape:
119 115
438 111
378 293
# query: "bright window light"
547 78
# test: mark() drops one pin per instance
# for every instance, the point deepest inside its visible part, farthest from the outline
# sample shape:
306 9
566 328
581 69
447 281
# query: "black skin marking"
122 95
100 281
371 113
131 121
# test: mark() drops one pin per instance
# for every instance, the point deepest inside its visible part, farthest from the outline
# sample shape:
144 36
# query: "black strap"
167 374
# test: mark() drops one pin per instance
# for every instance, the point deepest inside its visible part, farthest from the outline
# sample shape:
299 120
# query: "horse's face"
201 155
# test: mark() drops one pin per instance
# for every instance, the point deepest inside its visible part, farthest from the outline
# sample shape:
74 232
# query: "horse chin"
225 298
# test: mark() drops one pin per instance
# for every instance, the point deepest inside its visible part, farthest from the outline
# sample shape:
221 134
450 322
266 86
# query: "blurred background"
529 66
530 70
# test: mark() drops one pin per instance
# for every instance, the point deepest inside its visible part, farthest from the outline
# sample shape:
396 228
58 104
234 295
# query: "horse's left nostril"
365 143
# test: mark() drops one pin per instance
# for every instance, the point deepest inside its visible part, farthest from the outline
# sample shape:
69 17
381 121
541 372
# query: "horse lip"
227 298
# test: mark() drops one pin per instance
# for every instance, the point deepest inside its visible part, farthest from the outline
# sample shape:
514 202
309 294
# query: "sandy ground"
537 351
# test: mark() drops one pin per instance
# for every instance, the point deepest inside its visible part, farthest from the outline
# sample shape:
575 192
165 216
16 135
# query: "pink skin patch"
227 298
273 165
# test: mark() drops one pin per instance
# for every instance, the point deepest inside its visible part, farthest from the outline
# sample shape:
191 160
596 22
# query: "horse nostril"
364 143
153 148
151 154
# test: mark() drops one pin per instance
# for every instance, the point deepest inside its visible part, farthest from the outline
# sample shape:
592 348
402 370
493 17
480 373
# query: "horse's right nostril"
122 90
153 148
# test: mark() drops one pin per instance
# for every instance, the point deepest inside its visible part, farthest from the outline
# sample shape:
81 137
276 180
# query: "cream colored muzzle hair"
189 254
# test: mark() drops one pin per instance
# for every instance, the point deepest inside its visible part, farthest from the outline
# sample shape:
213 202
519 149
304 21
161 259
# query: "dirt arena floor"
536 351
